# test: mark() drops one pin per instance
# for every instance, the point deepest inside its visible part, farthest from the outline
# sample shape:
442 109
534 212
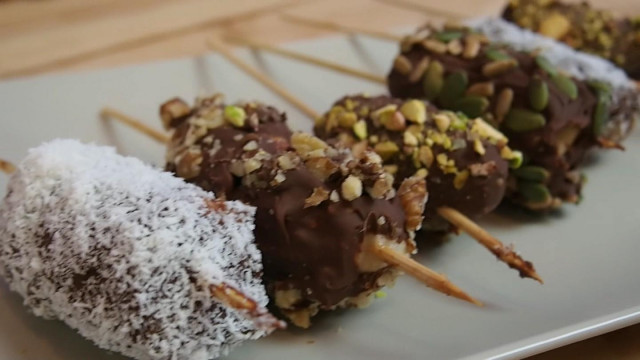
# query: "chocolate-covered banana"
552 118
319 209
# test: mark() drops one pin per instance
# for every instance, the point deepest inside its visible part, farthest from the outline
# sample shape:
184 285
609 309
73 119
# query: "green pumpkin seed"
536 195
454 87
472 106
532 173
446 36
545 65
522 120
599 86
538 94
566 85
601 114
433 80
495 54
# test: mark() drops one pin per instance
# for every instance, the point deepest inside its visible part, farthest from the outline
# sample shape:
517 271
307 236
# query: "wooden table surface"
46 36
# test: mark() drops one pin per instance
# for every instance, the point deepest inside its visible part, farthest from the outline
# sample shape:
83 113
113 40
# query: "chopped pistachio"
360 129
421 173
235 115
442 122
414 111
460 179
347 119
425 154
409 139
386 149
394 121
478 147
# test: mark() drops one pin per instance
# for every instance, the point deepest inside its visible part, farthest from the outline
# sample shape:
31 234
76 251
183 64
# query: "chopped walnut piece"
483 169
317 197
288 161
321 167
413 195
188 163
172 110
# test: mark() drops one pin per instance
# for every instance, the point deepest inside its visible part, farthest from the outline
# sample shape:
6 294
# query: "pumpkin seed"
453 88
495 54
601 114
546 65
433 80
532 173
472 106
522 120
446 36
566 85
537 196
538 94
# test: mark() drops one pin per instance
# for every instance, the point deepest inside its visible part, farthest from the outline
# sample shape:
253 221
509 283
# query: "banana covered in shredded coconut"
129 255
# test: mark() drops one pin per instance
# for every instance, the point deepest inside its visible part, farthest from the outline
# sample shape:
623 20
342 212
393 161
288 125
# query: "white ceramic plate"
588 256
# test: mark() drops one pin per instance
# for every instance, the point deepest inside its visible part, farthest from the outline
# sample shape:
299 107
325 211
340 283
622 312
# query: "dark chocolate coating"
545 146
480 193
310 248
589 30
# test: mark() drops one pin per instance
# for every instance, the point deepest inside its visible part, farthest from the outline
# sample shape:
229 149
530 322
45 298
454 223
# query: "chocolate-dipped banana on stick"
552 118
329 224
135 259
465 162
583 28
457 218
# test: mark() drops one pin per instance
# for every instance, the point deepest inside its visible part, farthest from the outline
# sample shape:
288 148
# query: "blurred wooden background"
43 36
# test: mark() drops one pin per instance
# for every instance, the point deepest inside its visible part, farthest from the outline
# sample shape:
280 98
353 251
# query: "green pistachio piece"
516 161
235 115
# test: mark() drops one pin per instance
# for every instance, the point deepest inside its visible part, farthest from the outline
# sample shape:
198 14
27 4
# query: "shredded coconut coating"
577 63
127 254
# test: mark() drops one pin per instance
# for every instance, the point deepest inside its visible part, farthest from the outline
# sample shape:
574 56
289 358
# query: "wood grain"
64 35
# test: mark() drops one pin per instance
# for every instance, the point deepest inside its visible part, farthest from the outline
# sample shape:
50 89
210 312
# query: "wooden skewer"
307 58
265 80
239 301
429 277
494 245
348 29
420 272
455 217
134 123
7 167
422 7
